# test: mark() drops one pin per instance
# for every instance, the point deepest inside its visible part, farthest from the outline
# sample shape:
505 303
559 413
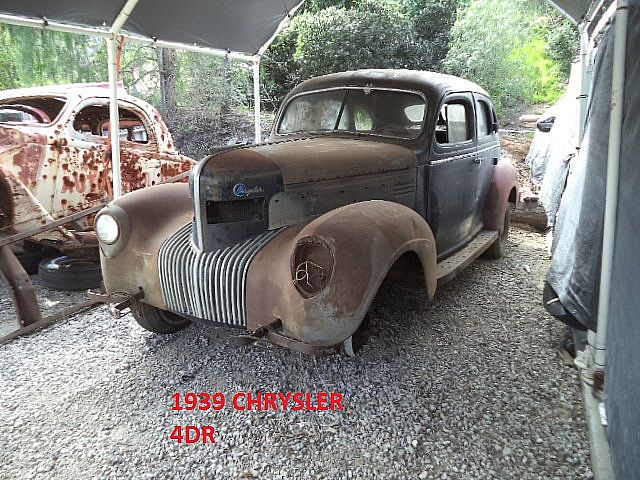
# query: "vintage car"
291 239
55 157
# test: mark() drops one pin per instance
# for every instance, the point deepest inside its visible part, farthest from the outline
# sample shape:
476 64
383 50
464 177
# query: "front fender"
504 189
366 239
154 214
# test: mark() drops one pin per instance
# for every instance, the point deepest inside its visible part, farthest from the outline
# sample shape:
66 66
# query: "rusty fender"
20 211
365 240
153 214
504 189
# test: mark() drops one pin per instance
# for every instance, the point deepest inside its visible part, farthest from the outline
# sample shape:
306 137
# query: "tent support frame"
613 174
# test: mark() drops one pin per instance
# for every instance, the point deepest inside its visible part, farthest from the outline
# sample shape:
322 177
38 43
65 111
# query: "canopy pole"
256 101
114 117
613 173
584 80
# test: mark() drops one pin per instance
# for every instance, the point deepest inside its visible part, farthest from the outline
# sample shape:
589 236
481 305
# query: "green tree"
505 46
368 34
432 22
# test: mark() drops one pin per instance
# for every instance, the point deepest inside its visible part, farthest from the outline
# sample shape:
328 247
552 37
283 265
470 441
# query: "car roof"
430 83
82 90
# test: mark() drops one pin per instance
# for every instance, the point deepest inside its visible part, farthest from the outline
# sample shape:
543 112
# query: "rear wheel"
497 248
157 320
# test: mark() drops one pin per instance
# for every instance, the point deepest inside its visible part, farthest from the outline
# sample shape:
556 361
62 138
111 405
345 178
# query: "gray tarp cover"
623 344
240 26
551 152
575 268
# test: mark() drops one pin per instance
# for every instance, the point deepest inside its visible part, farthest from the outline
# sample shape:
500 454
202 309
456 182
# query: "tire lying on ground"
32 255
67 273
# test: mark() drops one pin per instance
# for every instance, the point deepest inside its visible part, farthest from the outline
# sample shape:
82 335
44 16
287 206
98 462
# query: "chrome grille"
207 285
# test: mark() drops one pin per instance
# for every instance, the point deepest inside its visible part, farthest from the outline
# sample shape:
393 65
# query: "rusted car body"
364 171
55 156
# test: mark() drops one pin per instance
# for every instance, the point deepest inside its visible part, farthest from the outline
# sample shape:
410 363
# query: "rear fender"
365 239
504 189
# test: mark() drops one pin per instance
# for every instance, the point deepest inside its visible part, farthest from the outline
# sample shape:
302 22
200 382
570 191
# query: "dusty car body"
55 156
364 171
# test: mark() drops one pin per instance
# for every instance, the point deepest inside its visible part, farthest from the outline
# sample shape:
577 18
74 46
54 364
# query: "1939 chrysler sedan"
291 239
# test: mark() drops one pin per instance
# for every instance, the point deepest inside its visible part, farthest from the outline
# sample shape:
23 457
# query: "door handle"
477 160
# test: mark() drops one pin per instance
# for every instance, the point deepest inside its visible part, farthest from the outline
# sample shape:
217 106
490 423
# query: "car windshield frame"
344 101
9 101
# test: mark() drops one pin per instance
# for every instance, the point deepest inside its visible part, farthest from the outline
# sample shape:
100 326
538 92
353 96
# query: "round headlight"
107 229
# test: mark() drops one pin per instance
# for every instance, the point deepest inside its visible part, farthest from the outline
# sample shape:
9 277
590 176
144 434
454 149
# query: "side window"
454 123
93 120
484 118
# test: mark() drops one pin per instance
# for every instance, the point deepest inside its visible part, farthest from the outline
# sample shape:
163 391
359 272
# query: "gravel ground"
469 387
51 301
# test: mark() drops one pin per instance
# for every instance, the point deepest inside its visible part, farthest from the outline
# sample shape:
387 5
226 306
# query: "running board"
454 264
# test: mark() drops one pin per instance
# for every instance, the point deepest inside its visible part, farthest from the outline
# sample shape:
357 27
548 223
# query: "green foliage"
511 48
368 34
204 84
432 22
40 57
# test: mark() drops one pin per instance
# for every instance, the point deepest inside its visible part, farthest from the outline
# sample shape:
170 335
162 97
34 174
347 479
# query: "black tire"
497 248
32 256
67 273
157 320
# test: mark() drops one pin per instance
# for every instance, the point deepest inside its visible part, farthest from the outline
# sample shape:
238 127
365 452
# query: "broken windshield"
369 111
38 110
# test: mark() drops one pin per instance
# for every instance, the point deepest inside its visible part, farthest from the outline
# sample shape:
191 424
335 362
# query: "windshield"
370 111
36 110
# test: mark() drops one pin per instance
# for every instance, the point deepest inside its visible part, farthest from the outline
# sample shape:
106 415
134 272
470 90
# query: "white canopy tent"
240 30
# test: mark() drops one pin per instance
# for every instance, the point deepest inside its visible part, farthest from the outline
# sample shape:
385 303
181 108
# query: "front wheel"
157 320
497 248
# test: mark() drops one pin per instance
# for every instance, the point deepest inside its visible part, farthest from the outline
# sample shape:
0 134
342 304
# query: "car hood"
326 158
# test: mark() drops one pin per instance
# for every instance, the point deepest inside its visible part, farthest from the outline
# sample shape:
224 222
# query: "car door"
453 168
488 151
84 167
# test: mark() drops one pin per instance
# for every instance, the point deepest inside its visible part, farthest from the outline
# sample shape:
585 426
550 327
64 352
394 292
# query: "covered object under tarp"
606 172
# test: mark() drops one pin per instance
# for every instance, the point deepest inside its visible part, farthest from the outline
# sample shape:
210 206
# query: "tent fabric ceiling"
574 9
238 26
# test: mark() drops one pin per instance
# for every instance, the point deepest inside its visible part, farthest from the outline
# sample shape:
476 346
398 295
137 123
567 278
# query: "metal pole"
114 119
584 80
613 172
256 101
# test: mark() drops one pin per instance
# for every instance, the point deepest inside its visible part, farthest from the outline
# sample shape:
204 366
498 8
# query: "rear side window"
454 123
484 118
94 120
